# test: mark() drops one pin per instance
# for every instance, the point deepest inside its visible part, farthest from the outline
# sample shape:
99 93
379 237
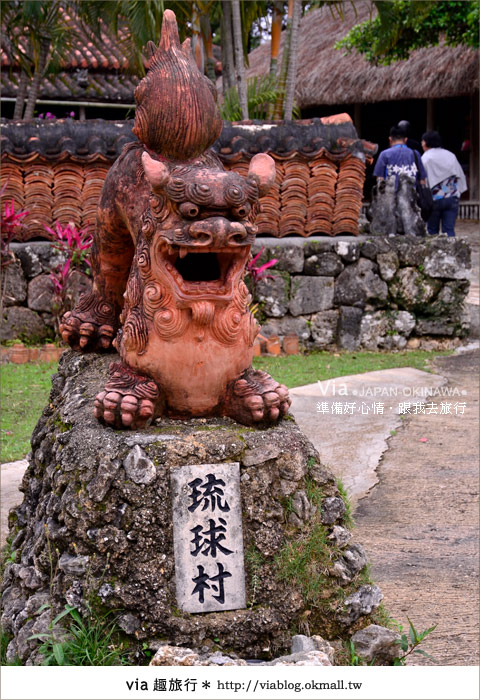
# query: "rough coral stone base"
95 528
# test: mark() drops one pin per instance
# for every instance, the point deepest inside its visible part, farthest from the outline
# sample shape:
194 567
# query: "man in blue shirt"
399 159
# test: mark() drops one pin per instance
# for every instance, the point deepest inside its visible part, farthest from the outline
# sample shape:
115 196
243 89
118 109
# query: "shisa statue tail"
177 114
173 238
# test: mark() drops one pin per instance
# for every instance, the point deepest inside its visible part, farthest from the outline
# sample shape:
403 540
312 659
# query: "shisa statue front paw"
91 326
256 398
128 400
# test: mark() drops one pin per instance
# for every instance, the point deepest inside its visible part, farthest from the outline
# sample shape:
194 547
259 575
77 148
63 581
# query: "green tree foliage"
404 25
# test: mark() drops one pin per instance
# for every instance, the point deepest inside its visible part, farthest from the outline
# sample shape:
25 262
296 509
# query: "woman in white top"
446 180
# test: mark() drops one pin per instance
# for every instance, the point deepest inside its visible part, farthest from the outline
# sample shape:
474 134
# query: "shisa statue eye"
242 211
199 192
234 195
189 210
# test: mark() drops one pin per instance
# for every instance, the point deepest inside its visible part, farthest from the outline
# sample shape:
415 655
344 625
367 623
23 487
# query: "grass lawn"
297 370
25 388
24 395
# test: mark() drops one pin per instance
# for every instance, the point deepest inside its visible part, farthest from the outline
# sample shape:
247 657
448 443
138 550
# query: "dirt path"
419 525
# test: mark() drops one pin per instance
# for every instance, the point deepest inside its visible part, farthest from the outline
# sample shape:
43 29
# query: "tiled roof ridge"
88 50
104 140
112 86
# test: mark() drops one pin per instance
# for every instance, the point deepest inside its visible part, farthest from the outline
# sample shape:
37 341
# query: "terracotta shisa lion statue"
173 238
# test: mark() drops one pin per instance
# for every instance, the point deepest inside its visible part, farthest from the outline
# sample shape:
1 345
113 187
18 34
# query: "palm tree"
292 63
282 79
228 61
239 58
144 21
12 41
11 13
206 29
47 24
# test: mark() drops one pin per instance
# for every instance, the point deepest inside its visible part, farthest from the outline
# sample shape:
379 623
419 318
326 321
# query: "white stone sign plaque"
208 538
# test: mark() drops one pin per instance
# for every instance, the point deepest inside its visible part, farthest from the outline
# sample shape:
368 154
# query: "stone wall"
28 293
369 292
372 293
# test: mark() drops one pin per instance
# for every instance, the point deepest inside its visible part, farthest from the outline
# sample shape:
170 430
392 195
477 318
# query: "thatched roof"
328 76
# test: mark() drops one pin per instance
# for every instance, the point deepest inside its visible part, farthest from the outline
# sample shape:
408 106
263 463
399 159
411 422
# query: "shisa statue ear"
150 49
187 49
262 167
156 172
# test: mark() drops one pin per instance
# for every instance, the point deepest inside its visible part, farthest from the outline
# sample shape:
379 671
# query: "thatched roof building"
328 76
436 88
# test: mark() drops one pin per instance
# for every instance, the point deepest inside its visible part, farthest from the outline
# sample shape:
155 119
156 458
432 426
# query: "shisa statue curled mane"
173 238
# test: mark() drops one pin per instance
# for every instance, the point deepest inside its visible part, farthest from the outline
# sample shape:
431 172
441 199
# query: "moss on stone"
314 493
60 425
348 520
304 563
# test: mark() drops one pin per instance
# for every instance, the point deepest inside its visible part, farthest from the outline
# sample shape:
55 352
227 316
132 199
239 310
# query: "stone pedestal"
95 529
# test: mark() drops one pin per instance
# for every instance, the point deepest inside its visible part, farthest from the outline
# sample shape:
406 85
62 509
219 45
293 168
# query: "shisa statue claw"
92 326
173 238
256 398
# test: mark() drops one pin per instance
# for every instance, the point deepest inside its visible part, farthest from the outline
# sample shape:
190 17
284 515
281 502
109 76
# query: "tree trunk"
208 47
21 94
37 77
239 59
282 80
292 63
197 43
276 34
275 46
228 64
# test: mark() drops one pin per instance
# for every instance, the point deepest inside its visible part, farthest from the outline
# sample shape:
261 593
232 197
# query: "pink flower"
10 222
60 277
259 272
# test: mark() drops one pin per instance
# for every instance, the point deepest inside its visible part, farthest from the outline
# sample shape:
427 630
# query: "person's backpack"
424 195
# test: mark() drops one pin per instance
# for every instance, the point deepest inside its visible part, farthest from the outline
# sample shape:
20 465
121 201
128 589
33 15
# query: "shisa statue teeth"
173 238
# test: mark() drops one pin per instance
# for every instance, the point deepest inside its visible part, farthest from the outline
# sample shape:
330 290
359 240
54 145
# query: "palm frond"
261 91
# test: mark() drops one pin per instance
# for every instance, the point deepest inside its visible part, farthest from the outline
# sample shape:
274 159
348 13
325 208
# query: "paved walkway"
419 525
414 486
11 475
350 419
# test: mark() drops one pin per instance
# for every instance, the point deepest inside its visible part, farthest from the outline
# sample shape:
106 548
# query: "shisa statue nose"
218 232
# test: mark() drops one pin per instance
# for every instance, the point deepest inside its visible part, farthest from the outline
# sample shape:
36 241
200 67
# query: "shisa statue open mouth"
203 225
206 274
174 232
